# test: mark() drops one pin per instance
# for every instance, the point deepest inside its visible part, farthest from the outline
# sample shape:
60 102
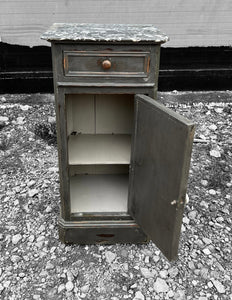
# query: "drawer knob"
106 64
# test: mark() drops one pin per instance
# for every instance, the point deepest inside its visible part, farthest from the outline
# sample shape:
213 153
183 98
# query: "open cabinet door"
160 160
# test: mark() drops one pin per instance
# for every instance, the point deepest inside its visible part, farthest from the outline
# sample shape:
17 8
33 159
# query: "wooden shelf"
99 193
87 149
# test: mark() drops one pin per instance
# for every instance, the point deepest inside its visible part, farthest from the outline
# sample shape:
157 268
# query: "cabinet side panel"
83 113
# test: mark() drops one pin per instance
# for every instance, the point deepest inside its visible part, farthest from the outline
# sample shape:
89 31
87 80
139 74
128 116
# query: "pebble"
16 238
20 121
146 273
192 215
32 192
49 266
206 251
191 265
170 294
173 272
31 183
139 296
85 288
4 119
186 220
160 286
215 153
15 258
212 192
110 256
61 287
163 273
156 258
206 241
213 127
219 287
69 286
204 182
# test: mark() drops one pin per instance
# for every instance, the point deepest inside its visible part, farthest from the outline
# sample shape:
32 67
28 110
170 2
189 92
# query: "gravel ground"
35 265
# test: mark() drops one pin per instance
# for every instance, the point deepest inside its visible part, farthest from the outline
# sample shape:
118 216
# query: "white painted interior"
99 193
187 23
87 149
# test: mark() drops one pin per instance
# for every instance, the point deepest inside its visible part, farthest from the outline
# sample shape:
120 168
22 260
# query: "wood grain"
187 23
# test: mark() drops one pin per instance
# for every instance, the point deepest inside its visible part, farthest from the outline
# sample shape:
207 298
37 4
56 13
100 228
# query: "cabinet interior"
99 129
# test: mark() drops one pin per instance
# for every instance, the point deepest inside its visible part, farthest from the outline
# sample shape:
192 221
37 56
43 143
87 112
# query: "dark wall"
26 70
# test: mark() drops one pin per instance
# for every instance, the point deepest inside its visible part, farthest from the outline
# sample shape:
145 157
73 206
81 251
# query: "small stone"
173 272
215 153
1 288
85 288
163 273
186 220
191 265
61 287
6 284
3 119
160 286
213 127
204 182
110 256
183 229
31 183
180 295
16 238
69 286
212 192
219 287
147 260
170 294
209 284
138 296
207 241
134 286
204 273
20 120
124 253
15 258
212 207
51 119
192 215
206 251
49 266
156 258
194 282
31 238
146 273
32 192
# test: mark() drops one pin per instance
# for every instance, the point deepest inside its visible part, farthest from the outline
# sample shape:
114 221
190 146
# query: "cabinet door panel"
161 152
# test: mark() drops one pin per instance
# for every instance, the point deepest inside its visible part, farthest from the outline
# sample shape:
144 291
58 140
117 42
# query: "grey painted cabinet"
123 157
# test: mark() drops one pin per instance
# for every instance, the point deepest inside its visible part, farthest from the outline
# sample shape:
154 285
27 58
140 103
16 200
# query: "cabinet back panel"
100 114
114 114
99 193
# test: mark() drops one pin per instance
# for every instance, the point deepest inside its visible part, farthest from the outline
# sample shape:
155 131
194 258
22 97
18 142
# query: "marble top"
139 33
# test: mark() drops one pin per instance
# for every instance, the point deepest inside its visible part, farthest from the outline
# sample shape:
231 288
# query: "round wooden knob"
106 64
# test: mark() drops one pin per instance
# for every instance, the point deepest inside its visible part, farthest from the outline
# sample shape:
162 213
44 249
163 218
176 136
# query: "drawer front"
106 64
112 64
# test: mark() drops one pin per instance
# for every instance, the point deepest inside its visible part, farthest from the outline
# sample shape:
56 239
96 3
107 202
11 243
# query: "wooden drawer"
121 64
106 64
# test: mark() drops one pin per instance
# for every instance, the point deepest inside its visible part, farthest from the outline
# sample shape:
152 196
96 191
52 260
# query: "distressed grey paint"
104 33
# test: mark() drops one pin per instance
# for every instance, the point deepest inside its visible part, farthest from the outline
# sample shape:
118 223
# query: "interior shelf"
84 149
99 193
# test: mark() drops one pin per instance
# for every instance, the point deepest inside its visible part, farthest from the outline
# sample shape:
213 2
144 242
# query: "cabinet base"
101 232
